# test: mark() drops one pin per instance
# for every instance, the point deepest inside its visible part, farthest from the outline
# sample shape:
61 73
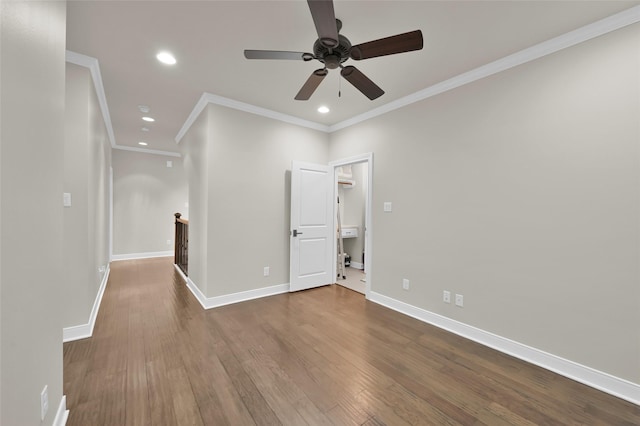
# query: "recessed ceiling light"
143 109
166 58
323 110
149 119
143 143
145 129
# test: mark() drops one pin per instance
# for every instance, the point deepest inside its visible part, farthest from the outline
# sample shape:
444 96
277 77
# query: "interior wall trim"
94 67
356 265
145 255
148 151
587 32
193 116
83 331
582 34
62 414
605 382
210 98
228 299
596 379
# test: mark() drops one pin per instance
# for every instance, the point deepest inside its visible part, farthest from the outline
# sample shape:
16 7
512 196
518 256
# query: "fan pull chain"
339 86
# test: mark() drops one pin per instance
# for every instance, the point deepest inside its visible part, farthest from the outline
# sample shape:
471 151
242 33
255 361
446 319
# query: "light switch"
387 206
169 163
66 199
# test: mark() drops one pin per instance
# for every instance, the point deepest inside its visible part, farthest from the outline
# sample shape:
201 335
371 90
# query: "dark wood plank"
137 390
185 405
346 412
160 396
323 356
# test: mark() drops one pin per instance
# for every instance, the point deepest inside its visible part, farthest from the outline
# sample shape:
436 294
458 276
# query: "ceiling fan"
333 49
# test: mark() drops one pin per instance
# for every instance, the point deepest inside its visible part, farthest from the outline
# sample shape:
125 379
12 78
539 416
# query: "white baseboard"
83 331
147 255
356 265
62 414
228 299
597 379
184 277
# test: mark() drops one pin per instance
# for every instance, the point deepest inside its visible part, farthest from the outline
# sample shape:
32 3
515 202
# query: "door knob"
296 233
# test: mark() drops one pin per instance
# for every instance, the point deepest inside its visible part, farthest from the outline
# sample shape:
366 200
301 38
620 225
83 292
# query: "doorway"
353 189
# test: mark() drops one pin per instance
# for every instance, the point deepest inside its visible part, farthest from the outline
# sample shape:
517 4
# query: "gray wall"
521 192
146 194
87 157
31 177
99 165
247 196
195 151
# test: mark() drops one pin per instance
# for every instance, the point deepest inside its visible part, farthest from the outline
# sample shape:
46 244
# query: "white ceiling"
208 39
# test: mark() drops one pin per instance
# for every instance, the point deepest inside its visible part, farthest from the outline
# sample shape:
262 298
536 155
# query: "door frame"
362 158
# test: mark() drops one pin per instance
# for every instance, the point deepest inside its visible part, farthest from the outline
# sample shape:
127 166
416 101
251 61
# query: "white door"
312 232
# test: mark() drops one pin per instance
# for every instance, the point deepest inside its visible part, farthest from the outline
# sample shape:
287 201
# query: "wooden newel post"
176 239
181 246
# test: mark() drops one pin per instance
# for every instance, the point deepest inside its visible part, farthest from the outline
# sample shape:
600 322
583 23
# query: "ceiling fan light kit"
333 49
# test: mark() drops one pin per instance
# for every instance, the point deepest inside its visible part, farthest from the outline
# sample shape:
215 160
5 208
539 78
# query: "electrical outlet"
266 271
44 402
459 300
405 284
446 296
168 242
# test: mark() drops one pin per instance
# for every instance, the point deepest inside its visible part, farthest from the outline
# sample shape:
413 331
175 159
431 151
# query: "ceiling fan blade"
311 84
388 46
361 82
325 20
278 54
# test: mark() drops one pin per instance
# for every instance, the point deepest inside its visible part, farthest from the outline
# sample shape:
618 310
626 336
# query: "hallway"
323 356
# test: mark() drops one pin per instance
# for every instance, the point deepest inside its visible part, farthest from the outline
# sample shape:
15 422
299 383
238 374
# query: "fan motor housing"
332 58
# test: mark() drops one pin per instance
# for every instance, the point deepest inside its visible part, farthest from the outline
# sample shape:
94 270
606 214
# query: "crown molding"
147 151
582 34
94 67
210 98
195 113
572 38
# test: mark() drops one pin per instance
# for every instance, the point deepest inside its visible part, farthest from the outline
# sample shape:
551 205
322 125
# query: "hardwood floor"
319 357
